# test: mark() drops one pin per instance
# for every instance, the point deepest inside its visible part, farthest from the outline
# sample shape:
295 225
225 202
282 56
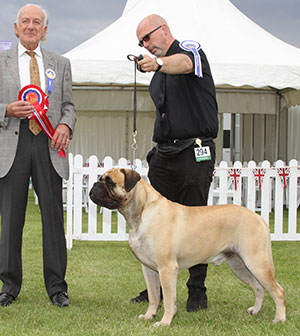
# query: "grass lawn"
103 276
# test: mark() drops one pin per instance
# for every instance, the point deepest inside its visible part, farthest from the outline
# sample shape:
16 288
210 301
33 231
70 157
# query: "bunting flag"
38 99
235 176
284 174
86 164
259 174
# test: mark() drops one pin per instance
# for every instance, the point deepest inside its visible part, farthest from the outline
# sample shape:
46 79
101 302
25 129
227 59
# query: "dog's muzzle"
100 195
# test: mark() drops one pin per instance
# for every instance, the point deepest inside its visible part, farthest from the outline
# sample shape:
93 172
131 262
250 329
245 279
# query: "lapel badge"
50 74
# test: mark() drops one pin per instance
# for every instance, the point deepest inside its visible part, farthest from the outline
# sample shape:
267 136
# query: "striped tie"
35 80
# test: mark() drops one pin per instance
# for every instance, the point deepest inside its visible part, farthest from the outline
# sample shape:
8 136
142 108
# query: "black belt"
203 140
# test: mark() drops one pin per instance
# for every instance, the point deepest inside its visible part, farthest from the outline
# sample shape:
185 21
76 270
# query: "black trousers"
32 160
185 181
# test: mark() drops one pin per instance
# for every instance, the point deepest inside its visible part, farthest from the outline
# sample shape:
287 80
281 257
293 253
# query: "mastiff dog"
166 236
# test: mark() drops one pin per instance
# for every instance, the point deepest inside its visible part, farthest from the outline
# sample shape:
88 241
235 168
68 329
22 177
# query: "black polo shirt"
190 106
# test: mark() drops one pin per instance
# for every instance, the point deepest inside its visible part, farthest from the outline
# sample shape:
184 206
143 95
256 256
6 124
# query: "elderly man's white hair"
45 23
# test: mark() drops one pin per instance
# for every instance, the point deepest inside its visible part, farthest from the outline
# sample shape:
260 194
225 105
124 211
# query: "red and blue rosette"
39 100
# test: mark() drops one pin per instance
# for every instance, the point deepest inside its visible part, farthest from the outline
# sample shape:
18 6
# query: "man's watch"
160 63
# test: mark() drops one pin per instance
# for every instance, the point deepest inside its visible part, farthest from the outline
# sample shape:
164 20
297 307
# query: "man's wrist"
159 63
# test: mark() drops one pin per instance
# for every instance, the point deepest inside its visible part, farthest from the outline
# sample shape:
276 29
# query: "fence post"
122 163
106 213
251 187
77 195
237 194
278 208
70 203
293 197
210 193
223 183
93 176
266 194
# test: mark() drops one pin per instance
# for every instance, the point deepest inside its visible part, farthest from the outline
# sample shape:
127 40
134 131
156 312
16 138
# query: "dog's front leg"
168 278
153 288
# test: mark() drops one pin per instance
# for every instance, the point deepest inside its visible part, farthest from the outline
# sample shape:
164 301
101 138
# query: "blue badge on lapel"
51 76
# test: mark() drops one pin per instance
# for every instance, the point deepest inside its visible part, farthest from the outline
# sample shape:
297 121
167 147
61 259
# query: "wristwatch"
160 63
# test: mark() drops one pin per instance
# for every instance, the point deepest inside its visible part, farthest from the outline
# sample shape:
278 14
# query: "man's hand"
148 64
61 138
19 109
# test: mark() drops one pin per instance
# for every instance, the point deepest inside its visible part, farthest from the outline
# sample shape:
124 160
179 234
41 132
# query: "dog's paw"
279 319
253 311
146 316
159 324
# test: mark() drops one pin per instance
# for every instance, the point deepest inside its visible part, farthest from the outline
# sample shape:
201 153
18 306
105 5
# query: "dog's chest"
142 247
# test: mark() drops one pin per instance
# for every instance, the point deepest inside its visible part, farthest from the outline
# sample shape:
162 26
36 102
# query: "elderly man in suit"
24 154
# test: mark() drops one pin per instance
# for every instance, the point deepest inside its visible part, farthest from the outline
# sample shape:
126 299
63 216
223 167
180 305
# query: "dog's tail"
268 242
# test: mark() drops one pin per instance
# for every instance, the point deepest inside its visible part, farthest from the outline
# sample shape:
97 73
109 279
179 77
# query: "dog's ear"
131 178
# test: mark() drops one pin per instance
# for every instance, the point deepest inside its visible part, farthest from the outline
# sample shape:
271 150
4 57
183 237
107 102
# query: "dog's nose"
95 186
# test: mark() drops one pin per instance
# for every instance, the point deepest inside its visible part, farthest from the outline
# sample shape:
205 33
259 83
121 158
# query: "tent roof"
240 52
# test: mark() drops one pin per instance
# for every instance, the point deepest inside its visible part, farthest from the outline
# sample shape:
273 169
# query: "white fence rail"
263 188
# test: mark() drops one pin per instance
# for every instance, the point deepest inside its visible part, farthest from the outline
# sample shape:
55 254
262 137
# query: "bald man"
181 164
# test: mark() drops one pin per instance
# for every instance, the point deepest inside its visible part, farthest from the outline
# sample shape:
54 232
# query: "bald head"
154 20
160 37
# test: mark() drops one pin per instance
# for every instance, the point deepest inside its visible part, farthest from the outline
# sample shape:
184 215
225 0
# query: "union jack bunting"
235 176
259 174
284 175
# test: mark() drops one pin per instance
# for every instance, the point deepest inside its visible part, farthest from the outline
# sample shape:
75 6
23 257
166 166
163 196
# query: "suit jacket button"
16 132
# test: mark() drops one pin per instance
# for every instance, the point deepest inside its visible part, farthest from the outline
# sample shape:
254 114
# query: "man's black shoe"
6 299
60 299
143 297
197 300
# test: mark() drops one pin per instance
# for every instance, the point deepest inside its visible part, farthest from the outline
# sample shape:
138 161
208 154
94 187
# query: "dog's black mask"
102 194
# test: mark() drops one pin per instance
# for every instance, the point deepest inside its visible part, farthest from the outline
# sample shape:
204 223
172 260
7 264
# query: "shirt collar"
173 48
22 50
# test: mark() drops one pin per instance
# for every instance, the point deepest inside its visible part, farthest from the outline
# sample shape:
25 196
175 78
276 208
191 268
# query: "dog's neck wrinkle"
134 208
131 210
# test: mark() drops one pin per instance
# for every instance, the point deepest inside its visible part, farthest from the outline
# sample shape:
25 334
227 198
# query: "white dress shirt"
24 61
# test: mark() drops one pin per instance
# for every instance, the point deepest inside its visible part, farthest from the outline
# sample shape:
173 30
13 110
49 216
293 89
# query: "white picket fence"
262 188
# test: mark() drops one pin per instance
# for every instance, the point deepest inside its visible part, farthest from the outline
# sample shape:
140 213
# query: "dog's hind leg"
263 270
238 267
153 288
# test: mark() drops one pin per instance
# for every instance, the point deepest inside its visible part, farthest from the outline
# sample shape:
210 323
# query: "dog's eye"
109 181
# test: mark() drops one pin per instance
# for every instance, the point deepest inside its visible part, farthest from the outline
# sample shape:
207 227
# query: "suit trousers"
32 160
183 180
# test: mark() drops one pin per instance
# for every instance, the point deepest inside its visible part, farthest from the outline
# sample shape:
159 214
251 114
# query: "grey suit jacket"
61 108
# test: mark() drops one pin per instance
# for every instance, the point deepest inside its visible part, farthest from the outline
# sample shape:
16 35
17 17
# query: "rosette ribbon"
193 46
39 115
38 99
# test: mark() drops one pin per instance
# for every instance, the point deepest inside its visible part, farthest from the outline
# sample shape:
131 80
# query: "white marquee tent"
255 73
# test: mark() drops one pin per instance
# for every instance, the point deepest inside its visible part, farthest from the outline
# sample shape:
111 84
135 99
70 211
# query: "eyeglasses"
146 38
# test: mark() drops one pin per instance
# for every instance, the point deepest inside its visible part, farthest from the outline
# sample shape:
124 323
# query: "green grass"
103 276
